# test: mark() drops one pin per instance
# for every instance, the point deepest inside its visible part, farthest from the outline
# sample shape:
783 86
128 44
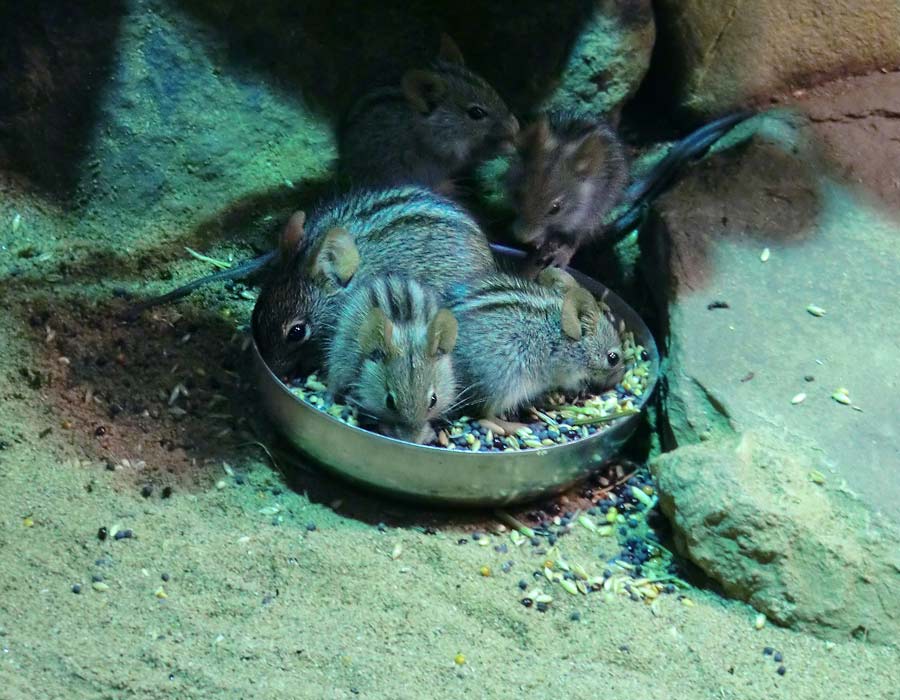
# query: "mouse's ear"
292 236
376 332
556 278
450 52
590 154
423 89
442 333
536 137
336 258
579 313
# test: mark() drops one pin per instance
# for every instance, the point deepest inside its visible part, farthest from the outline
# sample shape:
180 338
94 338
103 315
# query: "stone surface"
718 54
821 196
832 245
808 555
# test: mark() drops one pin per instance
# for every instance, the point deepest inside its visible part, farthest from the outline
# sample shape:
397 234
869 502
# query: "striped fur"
512 349
385 140
406 230
394 384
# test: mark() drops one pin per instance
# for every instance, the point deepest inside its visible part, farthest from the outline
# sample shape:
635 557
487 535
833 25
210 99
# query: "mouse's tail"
239 272
639 195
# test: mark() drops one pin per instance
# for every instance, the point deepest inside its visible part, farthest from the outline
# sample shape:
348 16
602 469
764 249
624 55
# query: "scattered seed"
459 659
28 521
759 622
817 477
841 395
100 587
485 571
799 398
815 310
16 222
569 586
397 551
764 256
160 593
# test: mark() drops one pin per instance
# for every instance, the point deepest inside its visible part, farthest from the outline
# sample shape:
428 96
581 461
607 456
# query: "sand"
257 604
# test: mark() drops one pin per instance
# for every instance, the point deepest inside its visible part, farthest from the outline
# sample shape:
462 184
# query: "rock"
714 55
808 555
609 59
832 245
733 371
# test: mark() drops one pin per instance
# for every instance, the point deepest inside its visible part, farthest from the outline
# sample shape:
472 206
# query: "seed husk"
799 398
816 310
842 396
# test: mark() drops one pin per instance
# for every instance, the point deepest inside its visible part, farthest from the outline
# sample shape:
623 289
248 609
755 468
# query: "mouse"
568 183
519 339
390 356
434 126
366 233
570 172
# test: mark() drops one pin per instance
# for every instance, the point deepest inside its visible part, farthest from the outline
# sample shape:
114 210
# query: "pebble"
310 527
124 534
76 588
778 657
781 670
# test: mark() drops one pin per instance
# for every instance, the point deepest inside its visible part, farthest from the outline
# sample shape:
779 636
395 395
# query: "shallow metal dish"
451 477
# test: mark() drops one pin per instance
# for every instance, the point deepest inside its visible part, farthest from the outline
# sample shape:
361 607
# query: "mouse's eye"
390 401
433 402
613 358
298 333
476 113
555 207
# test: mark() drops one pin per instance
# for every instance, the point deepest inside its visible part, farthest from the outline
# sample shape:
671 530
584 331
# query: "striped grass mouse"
390 356
520 339
407 230
431 128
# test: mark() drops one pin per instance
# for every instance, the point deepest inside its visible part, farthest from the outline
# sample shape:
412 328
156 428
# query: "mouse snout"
418 434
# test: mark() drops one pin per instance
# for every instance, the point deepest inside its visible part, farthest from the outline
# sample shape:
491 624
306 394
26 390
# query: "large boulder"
741 253
714 54
755 515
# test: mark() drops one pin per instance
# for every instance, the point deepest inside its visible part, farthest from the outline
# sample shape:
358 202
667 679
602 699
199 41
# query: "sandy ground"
257 604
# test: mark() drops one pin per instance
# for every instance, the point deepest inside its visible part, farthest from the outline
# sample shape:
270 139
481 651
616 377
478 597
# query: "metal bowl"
444 476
